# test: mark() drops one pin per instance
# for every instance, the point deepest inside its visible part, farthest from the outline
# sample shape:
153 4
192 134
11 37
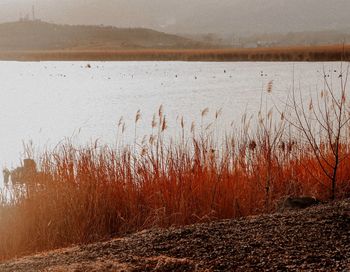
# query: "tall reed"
89 193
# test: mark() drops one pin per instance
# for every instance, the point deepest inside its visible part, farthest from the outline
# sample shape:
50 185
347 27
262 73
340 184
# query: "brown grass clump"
84 194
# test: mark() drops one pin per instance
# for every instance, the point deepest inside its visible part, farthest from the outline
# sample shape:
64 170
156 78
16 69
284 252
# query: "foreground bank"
314 239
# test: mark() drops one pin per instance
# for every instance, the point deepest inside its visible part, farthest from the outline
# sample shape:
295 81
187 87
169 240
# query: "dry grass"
96 192
85 194
295 53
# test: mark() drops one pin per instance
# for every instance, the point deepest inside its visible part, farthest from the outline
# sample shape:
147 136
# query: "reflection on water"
48 101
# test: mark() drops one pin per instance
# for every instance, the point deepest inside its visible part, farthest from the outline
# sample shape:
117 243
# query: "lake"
46 102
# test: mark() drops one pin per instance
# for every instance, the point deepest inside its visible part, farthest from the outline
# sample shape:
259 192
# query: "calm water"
48 101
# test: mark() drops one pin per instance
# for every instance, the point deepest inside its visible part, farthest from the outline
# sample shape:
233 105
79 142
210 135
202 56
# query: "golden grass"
93 192
85 194
295 53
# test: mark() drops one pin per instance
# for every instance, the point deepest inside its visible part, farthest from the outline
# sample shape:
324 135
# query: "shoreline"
292 53
313 239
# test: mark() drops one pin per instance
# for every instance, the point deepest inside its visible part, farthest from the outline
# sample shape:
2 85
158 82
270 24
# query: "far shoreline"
290 53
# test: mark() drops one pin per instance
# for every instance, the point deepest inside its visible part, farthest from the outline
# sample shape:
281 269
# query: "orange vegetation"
85 194
296 53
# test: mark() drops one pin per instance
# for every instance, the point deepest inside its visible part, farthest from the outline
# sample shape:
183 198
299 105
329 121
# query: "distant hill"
308 38
301 38
38 36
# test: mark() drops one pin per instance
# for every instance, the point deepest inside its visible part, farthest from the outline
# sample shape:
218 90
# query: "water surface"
48 101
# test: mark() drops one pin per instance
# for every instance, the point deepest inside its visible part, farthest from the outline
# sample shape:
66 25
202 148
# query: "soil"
312 239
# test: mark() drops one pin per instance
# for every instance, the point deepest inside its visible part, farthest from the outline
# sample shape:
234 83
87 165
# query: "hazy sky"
188 16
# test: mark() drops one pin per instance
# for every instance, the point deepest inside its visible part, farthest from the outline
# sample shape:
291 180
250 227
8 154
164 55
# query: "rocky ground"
314 239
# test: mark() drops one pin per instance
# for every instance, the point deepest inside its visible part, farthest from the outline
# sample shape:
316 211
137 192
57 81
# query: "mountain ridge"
39 35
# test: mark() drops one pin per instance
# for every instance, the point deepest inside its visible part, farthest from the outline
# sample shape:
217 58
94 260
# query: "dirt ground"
314 239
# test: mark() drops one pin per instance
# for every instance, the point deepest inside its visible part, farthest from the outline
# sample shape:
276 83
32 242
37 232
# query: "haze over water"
47 102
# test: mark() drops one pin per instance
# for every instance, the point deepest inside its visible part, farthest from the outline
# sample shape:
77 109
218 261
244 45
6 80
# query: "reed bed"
86 194
291 53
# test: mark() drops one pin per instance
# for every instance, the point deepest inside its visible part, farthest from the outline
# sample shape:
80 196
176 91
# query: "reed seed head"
160 111
138 116
205 112
164 124
154 122
269 86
